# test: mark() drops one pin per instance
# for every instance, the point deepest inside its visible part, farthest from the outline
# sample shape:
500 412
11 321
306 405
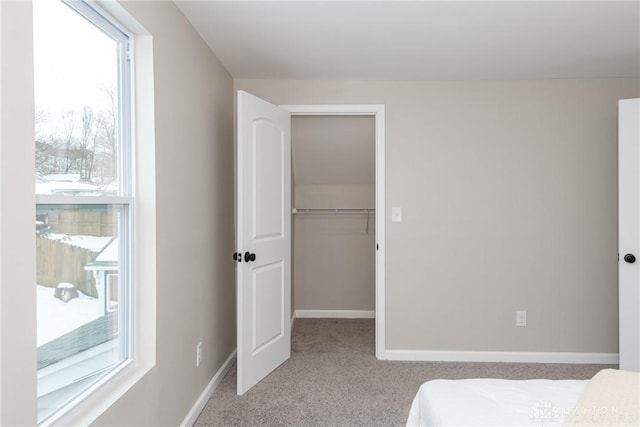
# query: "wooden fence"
75 222
59 262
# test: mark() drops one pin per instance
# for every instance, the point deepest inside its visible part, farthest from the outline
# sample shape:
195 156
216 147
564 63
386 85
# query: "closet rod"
339 211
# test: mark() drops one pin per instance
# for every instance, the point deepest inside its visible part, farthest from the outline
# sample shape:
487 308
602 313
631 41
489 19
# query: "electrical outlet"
198 354
521 318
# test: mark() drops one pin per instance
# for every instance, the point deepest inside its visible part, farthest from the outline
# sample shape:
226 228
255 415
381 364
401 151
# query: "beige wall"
509 197
195 237
331 196
334 264
333 149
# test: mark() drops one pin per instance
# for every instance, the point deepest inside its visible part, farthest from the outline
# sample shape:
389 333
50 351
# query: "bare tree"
83 143
86 143
45 144
107 141
69 124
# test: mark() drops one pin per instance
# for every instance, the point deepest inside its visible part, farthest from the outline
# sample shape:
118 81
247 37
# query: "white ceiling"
420 40
333 149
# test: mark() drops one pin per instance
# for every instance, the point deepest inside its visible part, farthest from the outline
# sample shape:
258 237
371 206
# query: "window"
84 200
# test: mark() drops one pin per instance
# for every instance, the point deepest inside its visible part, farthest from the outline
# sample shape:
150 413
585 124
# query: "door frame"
378 111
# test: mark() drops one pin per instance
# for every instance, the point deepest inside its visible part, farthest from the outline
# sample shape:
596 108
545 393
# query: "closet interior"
333 221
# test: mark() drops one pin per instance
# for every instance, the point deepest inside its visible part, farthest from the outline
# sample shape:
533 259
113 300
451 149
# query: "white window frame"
140 306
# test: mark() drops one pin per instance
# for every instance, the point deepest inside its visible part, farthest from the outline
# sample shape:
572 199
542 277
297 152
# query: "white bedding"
494 402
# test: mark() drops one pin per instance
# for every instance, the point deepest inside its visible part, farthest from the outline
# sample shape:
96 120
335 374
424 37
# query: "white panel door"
629 232
263 239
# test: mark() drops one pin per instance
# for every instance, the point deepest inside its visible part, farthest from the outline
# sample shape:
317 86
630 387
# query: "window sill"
88 406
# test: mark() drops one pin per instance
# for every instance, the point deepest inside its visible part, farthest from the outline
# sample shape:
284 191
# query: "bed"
609 398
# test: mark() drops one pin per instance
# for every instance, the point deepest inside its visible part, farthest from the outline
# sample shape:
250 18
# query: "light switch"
396 214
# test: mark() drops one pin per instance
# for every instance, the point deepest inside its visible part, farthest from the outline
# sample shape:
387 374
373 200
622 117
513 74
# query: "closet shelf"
336 211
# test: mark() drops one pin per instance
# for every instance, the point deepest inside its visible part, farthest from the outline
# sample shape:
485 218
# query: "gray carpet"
334 379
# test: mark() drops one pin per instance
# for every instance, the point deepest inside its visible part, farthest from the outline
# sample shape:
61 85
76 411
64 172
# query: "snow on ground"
56 318
93 243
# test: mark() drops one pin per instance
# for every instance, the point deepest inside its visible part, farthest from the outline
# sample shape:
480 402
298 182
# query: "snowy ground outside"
93 243
56 318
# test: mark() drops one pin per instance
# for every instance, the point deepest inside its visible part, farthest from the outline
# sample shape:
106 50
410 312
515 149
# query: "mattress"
494 402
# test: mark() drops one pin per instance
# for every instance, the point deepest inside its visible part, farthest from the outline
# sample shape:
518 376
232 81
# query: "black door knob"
248 256
630 258
237 256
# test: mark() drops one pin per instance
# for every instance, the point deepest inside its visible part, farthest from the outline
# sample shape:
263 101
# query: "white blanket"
494 402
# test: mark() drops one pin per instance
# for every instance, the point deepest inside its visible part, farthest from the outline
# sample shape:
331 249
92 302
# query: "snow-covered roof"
71 184
64 177
107 259
65 187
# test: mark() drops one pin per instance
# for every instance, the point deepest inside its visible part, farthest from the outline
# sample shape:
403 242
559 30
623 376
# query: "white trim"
335 314
501 356
56 199
381 212
293 319
378 111
206 394
334 110
108 22
2 201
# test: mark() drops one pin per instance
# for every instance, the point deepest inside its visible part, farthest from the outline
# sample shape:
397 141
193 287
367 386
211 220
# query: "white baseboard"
204 397
501 356
335 314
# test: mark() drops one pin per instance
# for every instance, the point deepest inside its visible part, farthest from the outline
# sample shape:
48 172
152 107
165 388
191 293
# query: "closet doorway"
338 213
